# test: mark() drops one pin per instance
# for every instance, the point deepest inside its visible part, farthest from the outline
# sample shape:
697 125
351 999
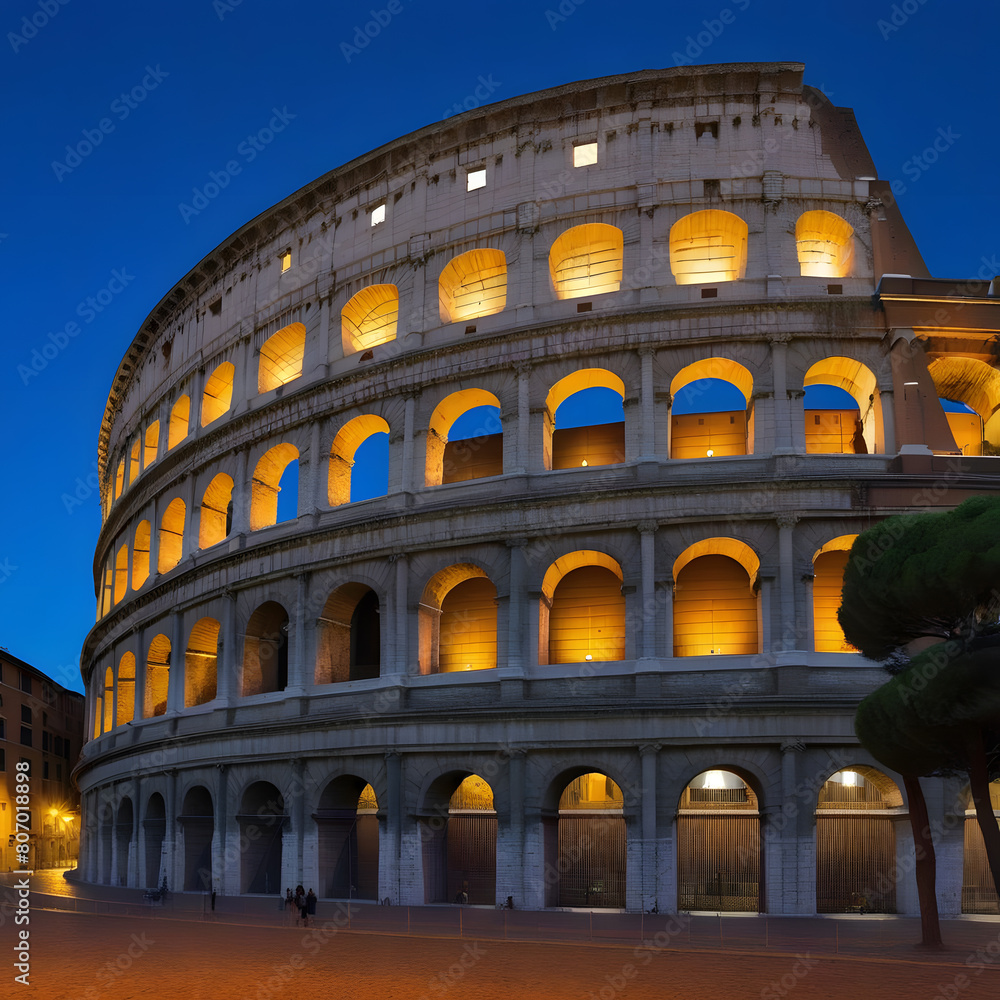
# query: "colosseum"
474 520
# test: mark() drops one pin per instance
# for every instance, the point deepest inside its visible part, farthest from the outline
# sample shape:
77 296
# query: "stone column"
780 431
222 880
168 856
227 667
649 882
296 641
399 664
523 460
154 544
810 630
409 483
323 337
241 496
189 540
175 675
786 583
389 848
517 607
194 413
510 835
647 534
647 407
142 654
133 844
766 585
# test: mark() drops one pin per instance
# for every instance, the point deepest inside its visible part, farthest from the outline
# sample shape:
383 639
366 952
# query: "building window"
476 179
58 772
45 741
59 746
3 729
585 154
378 214
26 714
3 759
25 682
45 769
25 736
286 261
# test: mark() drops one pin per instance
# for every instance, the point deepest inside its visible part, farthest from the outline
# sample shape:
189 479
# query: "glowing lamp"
583 464
714 779
588 657
710 453
850 779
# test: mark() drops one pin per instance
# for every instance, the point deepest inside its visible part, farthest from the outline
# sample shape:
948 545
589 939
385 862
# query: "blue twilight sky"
108 226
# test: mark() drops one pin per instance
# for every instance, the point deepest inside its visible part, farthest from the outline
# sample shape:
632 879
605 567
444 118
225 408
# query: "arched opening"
458 621
140 555
369 318
582 610
590 844
151 444
359 461
977 385
218 395
124 824
265 650
825 245
586 260
281 357
177 429
711 412
106 833
828 584
856 842
464 438
216 519
715 603
157 677
473 285
154 828
120 478
125 696
197 820
201 663
121 572
96 691
718 845
979 894
347 832
584 421
134 460
840 408
348 636
261 819
269 478
708 247
170 545
108 701
460 852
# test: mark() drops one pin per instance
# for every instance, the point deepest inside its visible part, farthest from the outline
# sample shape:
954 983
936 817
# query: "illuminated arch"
859 381
157 677
708 247
586 260
108 701
281 357
170 545
856 841
458 621
120 478
582 610
121 573
715 607
438 469
140 554
694 435
125 694
151 444
600 444
979 894
264 487
718 844
828 582
135 460
216 516
201 662
218 395
369 318
347 839
975 383
197 821
825 245
177 429
349 438
265 650
473 285
348 636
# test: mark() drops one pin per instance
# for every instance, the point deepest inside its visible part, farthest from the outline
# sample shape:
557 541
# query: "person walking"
311 903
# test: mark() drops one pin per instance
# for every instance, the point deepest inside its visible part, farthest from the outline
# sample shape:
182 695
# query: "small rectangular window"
25 736
378 214
58 772
286 261
3 729
3 759
585 154
26 714
58 746
476 179
45 769
45 740
25 682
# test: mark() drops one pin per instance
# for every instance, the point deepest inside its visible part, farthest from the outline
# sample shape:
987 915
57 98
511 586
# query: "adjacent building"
475 518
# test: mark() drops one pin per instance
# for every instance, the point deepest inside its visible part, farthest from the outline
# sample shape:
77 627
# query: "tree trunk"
926 869
979 782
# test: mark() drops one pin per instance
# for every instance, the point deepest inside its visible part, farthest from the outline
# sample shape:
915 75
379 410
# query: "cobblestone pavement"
85 957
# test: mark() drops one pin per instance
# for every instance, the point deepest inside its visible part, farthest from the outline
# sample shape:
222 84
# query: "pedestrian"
300 905
311 903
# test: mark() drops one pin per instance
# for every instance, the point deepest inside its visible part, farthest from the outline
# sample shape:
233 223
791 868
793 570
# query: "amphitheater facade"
375 616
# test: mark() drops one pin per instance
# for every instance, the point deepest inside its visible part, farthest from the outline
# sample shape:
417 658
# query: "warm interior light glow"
710 453
120 478
584 463
582 613
584 154
177 429
714 779
378 214
973 382
121 573
586 260
476 179
457 621
708 247
135 460
140 555
151 444
369 318
286 261
281 357
849 779
473 285
171 538
126 689
216 511
200 662
157 677
859 381
218 394
265 484
593 792
449 410
349 438
828 583
825 245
